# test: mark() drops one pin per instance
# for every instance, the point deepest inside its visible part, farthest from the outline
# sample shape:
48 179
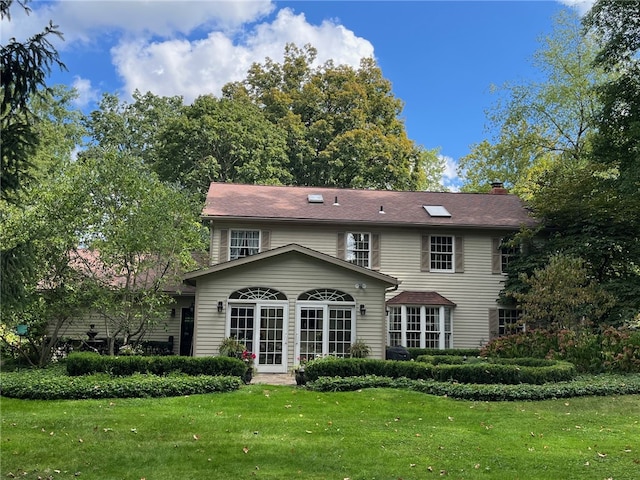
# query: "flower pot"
248 375
299 374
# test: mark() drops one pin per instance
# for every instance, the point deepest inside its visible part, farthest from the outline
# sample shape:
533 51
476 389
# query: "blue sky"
441 57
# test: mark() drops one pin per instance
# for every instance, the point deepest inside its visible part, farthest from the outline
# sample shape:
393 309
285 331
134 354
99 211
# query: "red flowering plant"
248 358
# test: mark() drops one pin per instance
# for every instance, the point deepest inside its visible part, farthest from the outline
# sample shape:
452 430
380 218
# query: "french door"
262 327
324 330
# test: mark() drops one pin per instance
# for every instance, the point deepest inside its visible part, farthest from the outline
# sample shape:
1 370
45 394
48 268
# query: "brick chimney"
497 188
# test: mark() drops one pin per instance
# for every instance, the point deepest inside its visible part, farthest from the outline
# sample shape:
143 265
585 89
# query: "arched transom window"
325 295
257 293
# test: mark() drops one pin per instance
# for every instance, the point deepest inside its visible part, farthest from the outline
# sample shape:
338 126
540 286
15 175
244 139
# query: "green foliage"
469 352
562 296
540 123
359 349
465 372
585 386
85 363
38 385
613 350
25 67
342 125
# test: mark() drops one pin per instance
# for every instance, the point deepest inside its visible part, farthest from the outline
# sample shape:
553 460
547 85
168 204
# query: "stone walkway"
274 379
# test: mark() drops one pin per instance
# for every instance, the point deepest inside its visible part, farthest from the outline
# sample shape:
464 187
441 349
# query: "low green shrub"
85 363
473 372
456 352
587 385
613 350
33 385
438 359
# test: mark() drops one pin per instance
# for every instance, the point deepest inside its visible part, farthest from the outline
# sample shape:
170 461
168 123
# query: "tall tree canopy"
540 123
342 125
590 208
25 67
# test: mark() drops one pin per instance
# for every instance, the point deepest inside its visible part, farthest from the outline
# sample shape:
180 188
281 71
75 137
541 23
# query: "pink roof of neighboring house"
282 203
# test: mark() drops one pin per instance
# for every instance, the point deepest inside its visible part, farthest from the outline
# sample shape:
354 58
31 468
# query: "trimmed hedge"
583 386
86 363
456 352
39 385
479 373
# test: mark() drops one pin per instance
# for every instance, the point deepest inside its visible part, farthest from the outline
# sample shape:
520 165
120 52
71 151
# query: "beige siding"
77 328
292 274
474 291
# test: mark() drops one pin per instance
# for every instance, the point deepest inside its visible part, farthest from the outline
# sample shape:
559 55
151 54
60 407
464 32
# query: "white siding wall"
292 274
474 292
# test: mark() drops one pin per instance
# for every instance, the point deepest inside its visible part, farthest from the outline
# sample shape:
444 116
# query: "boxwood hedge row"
87 363
478 373
458 352
34 385
583 386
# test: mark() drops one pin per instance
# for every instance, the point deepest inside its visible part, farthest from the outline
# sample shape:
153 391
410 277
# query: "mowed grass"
284 432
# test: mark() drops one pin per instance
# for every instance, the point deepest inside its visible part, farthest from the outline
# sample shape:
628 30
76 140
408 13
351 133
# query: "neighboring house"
297 272
171 334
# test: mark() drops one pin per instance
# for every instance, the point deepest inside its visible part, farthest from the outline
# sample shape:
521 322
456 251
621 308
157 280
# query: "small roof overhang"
191 277
420 298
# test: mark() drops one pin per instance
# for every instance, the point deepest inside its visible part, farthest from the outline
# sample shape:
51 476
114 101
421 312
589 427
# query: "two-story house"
303 271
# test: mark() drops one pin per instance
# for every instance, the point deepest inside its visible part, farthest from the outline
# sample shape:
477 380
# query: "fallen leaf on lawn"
196 437
134 430
430 468
80 440
450 419
245 449
308 431
586 464
602 455
532 434
476 466
443 472
412 465
418 435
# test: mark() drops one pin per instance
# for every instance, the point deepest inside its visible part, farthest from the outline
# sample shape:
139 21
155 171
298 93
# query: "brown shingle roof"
420 298
280 203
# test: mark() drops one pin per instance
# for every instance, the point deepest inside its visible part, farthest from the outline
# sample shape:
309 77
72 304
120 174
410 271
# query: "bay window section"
420 326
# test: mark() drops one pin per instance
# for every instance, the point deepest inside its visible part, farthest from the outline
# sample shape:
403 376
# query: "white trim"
369 252
453 255
257 305
325 307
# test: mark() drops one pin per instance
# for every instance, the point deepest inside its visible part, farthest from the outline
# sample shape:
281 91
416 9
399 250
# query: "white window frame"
445 326
351 253
325 307
232 246
452 254
257 306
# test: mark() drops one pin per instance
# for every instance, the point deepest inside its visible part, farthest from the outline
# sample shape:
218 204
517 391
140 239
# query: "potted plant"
359 349
298 371
248 358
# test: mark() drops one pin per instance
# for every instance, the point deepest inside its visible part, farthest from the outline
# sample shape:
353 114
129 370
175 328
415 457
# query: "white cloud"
192 68
581 6
86 20
86 93
450 179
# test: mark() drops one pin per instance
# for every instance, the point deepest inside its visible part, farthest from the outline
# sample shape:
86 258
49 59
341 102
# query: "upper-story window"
358 249
441 253
507 254
243 243
502 255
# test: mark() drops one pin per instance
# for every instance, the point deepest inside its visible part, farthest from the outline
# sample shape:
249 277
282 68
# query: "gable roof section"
420 298
191 277
282 203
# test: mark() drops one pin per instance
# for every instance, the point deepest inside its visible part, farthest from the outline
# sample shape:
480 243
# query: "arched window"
257 293
325 295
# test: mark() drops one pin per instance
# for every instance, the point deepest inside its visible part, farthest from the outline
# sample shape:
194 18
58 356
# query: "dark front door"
186 332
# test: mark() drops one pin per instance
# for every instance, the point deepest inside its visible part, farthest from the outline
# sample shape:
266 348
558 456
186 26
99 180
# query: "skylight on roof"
437 211
315 198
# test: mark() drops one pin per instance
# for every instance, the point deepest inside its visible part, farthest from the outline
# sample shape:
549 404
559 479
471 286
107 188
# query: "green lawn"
285 432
